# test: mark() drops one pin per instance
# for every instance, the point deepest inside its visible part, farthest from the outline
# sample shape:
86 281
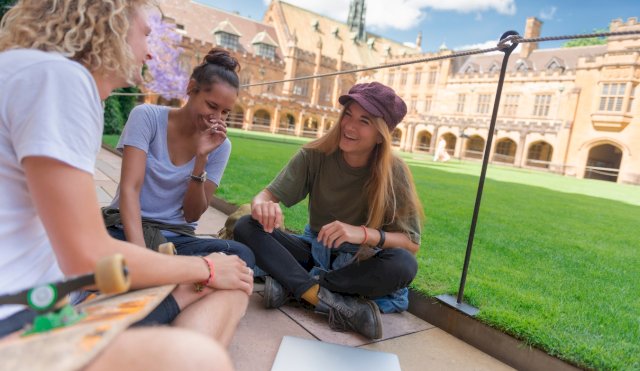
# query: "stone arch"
236 117
450 139
310 126
287 124
539 154
475 147
423 141
505 151
396 137
603 162
261 120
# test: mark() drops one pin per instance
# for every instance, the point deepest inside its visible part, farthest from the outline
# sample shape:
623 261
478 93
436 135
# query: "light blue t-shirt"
164 183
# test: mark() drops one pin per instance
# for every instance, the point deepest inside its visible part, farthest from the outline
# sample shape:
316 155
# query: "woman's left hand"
334 234
211 137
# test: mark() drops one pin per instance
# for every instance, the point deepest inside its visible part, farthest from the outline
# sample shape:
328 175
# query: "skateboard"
68 338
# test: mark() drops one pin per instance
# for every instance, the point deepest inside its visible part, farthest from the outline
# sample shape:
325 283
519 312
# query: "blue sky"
460 24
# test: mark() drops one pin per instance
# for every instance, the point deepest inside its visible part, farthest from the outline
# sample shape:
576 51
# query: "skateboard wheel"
42 297
111 275
167 248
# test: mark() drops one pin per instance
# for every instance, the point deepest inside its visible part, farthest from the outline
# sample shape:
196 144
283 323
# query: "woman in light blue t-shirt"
173 160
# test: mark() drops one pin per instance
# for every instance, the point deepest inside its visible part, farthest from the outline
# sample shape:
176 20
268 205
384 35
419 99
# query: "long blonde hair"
391 192
91 32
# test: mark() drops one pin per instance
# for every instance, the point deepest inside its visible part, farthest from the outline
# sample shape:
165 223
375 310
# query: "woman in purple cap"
357 254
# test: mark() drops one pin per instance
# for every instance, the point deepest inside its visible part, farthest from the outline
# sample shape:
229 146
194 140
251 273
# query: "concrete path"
418 344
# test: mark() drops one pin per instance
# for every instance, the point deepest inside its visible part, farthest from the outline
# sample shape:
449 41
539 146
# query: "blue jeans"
194 246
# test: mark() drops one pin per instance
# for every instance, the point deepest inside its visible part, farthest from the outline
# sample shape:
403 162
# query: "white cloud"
403 15
484 45
548 13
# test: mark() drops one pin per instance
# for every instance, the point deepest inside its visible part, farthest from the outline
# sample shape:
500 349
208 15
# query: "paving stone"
257 339
211 221
393 325
103 196
108 186
98 175
110 170
435 349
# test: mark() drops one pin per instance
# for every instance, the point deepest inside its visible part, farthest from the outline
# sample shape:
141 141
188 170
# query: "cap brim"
370 108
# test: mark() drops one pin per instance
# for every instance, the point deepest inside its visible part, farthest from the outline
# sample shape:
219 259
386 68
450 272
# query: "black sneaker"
351 313
275 295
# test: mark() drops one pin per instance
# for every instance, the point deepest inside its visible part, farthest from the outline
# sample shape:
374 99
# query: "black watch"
199 178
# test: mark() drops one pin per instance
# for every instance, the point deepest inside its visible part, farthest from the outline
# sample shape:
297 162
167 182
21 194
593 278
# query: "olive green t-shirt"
336 190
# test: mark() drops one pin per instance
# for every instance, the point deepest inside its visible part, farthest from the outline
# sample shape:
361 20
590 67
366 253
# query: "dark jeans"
187 245
16 321
288 259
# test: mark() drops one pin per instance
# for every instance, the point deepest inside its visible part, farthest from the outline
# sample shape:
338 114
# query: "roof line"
344 23
232 14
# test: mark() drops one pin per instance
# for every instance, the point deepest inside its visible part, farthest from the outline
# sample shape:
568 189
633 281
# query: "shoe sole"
268 281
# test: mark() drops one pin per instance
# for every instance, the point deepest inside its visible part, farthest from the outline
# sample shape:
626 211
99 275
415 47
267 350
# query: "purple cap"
379 100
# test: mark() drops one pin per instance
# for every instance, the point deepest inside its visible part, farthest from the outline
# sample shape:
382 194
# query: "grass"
555 259
110 139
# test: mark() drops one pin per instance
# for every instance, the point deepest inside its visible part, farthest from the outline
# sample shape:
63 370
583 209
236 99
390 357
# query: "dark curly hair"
217 66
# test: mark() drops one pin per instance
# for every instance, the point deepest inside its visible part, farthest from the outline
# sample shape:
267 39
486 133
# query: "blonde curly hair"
91 32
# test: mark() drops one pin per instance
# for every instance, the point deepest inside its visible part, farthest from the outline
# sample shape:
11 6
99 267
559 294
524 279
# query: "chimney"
531 30
419 40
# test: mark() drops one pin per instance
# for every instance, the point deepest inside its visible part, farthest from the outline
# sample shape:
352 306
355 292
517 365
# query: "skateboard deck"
74 346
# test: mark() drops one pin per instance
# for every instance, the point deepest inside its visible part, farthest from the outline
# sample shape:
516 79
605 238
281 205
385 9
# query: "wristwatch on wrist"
199 178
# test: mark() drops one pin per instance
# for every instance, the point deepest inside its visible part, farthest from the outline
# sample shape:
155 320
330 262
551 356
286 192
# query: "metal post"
448 299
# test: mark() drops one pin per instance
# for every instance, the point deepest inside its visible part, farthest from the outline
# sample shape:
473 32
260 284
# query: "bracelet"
365 235
199 286
382 238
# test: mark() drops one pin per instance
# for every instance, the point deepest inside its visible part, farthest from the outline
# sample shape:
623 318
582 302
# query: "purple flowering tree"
167 76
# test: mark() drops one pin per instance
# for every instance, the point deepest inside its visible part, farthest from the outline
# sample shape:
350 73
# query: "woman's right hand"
231 272
267 213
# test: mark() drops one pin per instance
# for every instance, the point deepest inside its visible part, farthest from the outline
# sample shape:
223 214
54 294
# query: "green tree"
113 120
587 41
127 102
5 5
117 108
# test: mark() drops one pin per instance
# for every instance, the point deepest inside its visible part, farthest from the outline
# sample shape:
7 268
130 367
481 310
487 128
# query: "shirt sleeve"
140 129
217 162
55 111
291 185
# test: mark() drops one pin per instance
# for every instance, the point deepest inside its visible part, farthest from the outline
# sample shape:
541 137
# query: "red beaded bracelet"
199 286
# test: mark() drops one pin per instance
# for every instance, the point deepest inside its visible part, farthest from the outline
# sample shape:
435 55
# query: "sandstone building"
567 110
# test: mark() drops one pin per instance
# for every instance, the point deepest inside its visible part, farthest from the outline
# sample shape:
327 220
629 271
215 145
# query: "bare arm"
336 233
79 238
265 208
393 239
196 199
198 195
132 176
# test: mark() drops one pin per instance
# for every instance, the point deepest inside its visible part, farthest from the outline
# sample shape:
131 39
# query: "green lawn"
555 259
111 140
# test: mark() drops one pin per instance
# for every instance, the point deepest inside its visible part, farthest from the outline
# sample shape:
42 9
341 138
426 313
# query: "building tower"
355 21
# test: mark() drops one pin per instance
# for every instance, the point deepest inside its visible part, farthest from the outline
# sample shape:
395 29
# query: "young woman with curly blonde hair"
58 60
